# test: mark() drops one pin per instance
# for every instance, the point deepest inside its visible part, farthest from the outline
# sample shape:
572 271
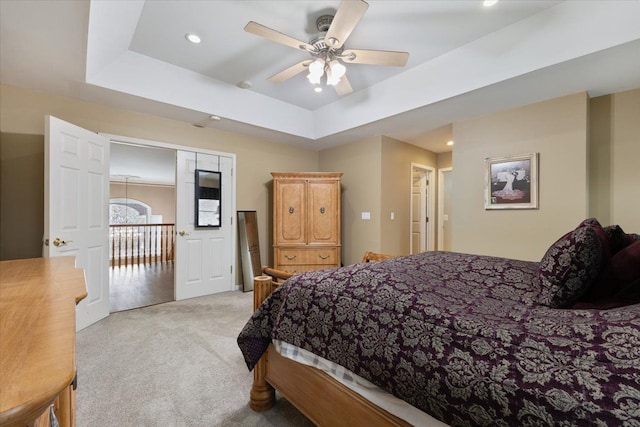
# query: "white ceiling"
465 61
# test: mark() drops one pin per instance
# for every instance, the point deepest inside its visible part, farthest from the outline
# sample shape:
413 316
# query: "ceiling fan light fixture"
316 68
314 78
332 78
337 69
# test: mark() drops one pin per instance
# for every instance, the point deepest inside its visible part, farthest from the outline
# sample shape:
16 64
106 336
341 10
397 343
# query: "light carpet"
173 364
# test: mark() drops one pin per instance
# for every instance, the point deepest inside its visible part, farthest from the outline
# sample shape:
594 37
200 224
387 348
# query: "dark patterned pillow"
569 267
629 294
617 238
605 284
626 263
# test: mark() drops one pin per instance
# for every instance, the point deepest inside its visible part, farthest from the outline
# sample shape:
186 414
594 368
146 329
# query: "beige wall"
557 130
600 158
361 188
614 159
397 157
21 195
22 112
445 160
377 179
161 198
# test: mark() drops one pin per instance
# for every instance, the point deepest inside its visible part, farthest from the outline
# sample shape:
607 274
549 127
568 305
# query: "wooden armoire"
306 215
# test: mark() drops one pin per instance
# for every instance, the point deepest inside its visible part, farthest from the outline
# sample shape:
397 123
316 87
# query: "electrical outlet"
366 215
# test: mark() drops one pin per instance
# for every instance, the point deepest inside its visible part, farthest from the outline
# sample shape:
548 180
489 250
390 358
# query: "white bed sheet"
366 389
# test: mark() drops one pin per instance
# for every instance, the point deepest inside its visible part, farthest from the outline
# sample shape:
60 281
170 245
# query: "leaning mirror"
208 200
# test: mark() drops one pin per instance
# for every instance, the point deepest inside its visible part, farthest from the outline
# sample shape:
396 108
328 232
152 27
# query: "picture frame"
511 182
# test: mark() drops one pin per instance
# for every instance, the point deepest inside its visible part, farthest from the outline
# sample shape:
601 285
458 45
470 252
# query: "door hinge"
231 269
427 219
231 218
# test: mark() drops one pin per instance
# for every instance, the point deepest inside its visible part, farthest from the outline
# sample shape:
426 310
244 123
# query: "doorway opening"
141 226
422 232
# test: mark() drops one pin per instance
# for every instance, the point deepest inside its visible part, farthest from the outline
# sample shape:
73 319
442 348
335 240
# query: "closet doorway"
141 226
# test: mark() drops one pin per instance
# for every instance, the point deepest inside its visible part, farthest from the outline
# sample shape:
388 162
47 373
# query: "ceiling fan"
328 48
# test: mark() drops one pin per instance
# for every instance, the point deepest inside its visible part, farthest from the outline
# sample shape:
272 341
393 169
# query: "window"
129 211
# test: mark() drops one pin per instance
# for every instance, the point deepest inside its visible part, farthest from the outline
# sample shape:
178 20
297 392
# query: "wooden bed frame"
322 399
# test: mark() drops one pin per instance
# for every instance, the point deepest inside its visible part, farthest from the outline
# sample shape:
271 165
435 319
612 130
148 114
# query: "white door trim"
441 172
158 144
429 171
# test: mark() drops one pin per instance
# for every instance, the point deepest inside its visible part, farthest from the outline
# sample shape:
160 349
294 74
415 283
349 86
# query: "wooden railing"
132 244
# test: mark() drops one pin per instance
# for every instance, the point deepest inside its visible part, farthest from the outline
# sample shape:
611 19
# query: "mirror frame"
200 194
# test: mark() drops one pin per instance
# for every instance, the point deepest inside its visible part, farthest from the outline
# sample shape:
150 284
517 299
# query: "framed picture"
511 182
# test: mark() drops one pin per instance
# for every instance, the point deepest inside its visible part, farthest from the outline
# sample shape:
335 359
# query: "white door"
203 263
422 237
417 216
445 218
76 203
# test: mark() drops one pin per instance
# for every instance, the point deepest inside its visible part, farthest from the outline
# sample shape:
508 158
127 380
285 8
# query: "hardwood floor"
137 286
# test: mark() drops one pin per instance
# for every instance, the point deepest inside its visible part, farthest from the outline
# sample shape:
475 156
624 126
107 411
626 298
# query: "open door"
421 210
76 203
203 263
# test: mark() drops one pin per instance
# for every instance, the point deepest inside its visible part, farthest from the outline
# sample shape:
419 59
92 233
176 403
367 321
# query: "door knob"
59 242
183 233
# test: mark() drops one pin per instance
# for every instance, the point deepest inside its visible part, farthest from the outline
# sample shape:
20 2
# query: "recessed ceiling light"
245 84
193 38
214 118
317 89
488 3
449 143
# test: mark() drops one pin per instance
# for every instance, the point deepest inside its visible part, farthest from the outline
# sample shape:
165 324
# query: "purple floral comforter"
461 337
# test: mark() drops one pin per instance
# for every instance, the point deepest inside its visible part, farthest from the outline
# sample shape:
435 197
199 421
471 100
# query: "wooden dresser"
306 214
38 300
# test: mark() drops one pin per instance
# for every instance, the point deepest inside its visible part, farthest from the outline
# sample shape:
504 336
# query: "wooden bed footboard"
321 398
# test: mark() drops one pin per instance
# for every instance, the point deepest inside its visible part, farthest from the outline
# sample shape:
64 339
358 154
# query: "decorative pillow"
569 267
605 284
629 294
633 237
617 238
626 263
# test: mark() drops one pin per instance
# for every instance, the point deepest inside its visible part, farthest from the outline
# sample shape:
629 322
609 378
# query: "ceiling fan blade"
375 57
290 72
346 18
276 36
343 87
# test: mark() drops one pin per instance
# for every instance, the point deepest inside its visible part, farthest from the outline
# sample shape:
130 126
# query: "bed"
464 339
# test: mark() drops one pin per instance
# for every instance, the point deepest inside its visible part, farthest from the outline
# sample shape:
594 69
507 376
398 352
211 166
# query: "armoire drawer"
295 256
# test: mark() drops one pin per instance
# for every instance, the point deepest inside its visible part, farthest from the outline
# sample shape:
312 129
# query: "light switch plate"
366 215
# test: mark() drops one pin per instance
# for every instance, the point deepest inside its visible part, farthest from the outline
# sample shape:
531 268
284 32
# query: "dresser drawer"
295 256
297 269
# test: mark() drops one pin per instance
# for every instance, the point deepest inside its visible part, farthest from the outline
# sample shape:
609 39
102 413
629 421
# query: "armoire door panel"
323 213
291 212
